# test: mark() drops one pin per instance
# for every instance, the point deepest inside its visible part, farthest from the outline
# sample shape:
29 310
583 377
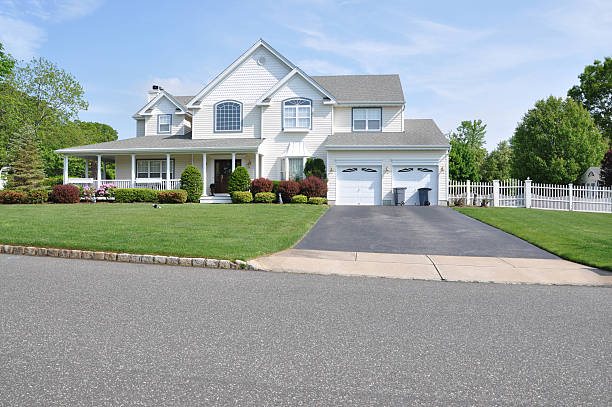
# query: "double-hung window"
367 119
296 168
154 169
228 116
164 122
297 114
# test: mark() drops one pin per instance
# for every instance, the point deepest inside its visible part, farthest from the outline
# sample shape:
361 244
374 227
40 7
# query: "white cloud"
20 38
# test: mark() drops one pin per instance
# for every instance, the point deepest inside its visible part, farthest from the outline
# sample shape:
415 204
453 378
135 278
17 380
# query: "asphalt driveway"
413 230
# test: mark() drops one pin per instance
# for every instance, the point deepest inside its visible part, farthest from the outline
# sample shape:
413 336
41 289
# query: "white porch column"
204 174
256 165
86 168
233 161
65 169
168 171
98 182
286 168
133 179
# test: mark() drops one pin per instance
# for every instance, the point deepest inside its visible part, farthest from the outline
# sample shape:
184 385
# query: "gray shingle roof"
167 144
417 132
363 88
183 100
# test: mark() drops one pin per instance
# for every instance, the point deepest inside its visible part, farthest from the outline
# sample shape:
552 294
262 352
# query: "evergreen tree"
26 169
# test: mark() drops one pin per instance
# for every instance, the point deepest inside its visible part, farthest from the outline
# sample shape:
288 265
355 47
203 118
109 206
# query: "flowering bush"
106 190
88 193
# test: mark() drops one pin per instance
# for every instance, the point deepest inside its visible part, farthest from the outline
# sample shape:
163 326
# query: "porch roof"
165 144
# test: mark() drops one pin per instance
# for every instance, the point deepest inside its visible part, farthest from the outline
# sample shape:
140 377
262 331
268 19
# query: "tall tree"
26 171
556 142
606 169
595 93
467 151
497 165
7 63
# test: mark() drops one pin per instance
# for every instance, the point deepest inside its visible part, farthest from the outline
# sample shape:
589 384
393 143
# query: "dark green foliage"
606 169
191 181
65 194
261 185
239 180
313 186
287 189
555 142
595 94
275 185
52 181
264 197
26 171
315 167
7 63
8 196
301 199
242 197
467 151
127 195
172 196
317 200
498 163
36 196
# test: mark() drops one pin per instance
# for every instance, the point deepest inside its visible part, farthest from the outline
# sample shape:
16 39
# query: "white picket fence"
526 194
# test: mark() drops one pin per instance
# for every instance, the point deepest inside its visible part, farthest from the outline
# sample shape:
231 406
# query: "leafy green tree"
26 171
498 163
556 142
7 63
595 93
191 181
467 153
315 167
606 169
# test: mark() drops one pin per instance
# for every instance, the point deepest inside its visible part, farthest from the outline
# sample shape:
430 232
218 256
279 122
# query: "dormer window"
367 119
297 114
164 121
228 116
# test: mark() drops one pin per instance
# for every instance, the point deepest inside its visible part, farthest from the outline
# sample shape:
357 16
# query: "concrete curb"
127 257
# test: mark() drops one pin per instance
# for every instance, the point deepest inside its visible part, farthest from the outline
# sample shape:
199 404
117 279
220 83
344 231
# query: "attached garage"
413 177
359 185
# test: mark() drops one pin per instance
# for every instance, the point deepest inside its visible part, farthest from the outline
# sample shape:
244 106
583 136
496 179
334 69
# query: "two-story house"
266 114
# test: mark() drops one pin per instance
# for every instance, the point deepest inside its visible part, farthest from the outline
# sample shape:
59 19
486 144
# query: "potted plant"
212 189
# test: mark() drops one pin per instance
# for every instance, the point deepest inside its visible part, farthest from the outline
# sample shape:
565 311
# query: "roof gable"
264 100
160 95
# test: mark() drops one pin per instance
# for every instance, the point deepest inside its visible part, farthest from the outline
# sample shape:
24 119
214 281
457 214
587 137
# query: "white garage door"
359 185
415 177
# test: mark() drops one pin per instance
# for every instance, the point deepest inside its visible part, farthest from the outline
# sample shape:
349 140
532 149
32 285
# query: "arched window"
228 116
297 113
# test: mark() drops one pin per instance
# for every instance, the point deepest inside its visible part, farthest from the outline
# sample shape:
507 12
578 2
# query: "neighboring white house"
264 113
591 177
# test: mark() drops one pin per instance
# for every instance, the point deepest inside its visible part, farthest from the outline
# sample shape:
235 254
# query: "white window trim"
215 128
159 131
297 116
366 119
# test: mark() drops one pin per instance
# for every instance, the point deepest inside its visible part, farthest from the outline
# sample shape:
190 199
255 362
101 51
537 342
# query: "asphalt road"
413 230
77 332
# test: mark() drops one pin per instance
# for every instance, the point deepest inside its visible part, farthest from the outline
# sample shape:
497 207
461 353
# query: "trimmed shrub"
10 196
127 195
317 200
299 199
313 186
315 167
191 181
287 189
38 196
264 197
239 180
261 185
53 181
65 194
172 196
242 197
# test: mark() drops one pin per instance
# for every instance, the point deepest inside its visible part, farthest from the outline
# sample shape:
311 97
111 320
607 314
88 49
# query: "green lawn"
191 230
578 236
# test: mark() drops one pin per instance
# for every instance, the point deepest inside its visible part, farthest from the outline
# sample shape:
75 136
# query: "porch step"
218 198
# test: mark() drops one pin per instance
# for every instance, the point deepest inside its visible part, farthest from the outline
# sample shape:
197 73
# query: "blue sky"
488 60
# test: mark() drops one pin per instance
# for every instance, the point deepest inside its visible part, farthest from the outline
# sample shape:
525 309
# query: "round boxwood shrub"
315 167
261 185
317 200
65 194
239 180
313 186
299 199
242 197
191 181
287 189
264 197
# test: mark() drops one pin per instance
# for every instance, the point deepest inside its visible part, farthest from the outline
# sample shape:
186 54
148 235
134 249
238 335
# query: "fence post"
571 197
495 192
527 193
467 192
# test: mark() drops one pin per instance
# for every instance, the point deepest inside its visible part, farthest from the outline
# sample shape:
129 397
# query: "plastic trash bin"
424 196
400 195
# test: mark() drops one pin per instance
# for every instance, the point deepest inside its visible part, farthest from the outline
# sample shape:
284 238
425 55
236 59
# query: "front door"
223 170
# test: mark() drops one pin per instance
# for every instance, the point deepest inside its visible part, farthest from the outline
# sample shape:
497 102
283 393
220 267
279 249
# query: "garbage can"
400 195
424 196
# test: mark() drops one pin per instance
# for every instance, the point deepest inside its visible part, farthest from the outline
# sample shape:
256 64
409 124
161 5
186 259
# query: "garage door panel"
415 177
358 185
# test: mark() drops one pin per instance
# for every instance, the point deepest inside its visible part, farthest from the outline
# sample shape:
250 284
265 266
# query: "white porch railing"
519 194
156 184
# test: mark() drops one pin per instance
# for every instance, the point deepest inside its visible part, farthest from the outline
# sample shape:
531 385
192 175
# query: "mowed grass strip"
578 236
190 230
